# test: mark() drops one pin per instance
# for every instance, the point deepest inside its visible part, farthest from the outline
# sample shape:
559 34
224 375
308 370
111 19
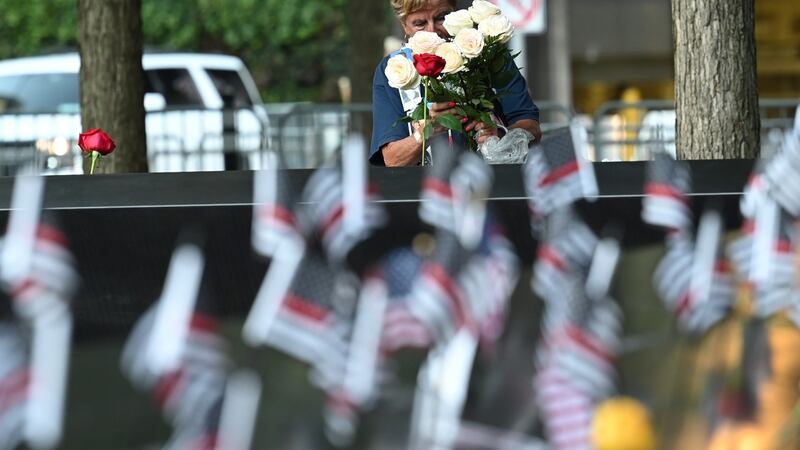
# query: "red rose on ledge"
96 143
429 65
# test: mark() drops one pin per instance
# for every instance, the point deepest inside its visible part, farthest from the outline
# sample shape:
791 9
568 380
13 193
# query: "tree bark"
715 79
368 29
112 80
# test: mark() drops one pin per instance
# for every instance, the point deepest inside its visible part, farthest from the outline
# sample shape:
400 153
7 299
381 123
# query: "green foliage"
450 121
474 90
32 27
292 47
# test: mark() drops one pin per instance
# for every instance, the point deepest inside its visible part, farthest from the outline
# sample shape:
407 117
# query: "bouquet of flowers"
469 69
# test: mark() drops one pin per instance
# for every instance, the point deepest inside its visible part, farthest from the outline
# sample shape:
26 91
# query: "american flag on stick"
191 392
437 299
666 202
176 352
576 364
557 172
401 329
342 207
763 256
437 197
38 272
276 227
782 175
567 247
14 384
306 322
694 280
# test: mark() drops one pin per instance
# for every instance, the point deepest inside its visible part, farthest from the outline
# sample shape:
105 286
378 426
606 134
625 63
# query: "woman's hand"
440 109
482 130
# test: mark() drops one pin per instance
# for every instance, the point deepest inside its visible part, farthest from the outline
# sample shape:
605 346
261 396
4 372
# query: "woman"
393 143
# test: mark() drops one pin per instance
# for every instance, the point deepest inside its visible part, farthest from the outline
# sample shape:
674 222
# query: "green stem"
95 157
424 118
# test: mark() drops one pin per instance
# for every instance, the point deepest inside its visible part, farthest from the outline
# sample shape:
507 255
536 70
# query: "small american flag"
364 372
576 364
781 175
564 253
567 247
437 196
754 190
586 352
776 290
41 295
401 328
190 395
275 222
556 174
437 299
324 215
696 313
566 409
666 203
52 275
583 343
489 281
14 382
308 326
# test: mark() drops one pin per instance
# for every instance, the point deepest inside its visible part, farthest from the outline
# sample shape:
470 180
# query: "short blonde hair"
402 8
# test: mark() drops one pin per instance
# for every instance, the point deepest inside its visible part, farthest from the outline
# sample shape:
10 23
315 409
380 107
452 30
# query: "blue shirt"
387 108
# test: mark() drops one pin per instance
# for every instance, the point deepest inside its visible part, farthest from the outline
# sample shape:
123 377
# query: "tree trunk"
715 79
368 29
112 80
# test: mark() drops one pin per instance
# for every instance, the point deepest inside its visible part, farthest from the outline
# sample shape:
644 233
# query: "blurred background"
246 76
608 63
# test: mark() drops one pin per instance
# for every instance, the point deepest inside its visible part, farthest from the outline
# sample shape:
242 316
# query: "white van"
186 96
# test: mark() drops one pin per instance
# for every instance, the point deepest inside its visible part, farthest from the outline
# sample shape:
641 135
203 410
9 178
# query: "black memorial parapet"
123 228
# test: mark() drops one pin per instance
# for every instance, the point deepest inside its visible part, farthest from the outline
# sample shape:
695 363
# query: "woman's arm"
405 152
387 130
532 126
517 105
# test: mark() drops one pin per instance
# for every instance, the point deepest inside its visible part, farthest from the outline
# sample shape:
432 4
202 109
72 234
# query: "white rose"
470 42
451 54
457 21
424 42
482 10
401 73
497 26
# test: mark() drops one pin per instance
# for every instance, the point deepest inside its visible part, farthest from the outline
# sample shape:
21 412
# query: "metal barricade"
554 115
622 131
178 140
306 135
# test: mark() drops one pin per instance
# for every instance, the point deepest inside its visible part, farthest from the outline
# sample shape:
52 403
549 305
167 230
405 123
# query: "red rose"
429 65
96 140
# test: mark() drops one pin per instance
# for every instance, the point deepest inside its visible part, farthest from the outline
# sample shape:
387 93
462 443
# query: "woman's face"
430 18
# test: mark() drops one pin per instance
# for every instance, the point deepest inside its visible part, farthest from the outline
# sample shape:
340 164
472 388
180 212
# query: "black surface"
396 184
123 227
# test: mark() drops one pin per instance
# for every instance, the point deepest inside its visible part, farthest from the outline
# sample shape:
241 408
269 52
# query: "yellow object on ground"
622 423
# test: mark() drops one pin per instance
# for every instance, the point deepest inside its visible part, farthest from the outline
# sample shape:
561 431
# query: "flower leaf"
404 119
419 112
450 121
468 111
427 131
